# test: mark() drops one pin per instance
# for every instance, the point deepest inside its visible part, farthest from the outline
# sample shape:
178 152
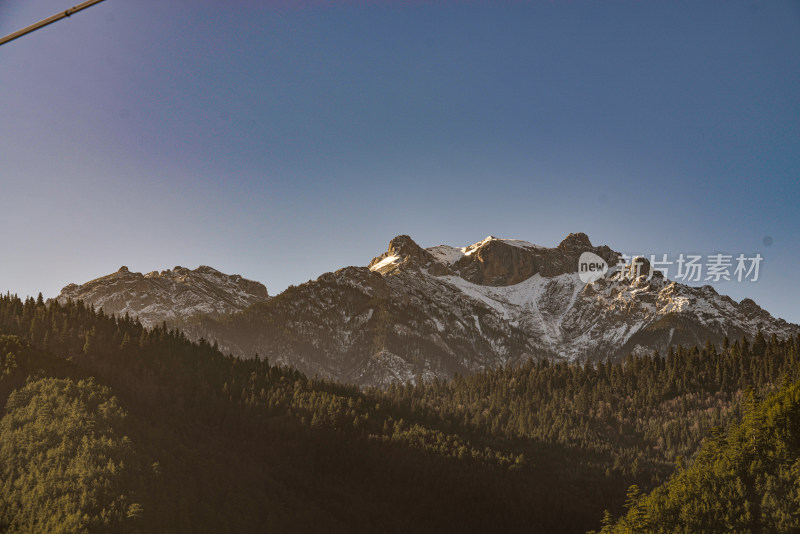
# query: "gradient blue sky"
280 140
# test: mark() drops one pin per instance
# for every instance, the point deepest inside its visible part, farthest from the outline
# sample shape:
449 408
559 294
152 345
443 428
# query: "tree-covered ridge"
746 479
66 464
243 445
645 409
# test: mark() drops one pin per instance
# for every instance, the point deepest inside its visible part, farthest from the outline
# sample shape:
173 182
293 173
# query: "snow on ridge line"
519 243
449 254
512 242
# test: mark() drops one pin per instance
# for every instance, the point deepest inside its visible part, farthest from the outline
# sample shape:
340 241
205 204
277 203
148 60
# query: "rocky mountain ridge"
416 312
423 313
169 295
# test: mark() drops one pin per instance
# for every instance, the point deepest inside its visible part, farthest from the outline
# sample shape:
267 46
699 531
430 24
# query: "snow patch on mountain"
386 262
446 254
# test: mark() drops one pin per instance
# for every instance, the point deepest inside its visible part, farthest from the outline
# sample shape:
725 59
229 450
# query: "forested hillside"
744 480
181 438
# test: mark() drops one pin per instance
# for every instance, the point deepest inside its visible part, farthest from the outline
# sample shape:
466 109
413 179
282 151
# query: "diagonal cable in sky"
49 20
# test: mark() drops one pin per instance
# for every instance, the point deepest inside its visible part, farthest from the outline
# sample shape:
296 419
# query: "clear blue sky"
280 140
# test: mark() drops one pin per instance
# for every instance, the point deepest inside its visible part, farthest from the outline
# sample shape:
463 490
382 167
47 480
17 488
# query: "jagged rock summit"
492 261
404 252
169 295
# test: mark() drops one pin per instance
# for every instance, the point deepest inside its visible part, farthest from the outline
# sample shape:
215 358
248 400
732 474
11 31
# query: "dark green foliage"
243 446
744 480
66 465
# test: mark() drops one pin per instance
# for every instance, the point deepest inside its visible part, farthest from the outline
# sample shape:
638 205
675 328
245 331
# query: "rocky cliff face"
167 295
404 253
505 262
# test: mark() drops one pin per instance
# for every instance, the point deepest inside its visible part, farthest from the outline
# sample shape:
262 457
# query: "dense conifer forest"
110 427
745 479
